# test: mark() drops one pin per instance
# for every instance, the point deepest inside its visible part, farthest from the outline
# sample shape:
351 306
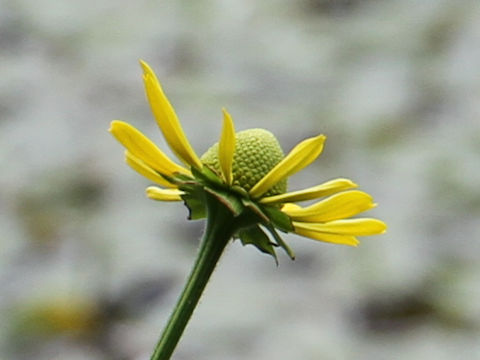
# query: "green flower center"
257 151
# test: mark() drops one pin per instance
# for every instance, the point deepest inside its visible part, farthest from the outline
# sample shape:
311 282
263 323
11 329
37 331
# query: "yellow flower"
247 172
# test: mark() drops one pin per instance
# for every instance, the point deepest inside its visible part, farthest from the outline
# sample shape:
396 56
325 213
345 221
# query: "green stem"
219 230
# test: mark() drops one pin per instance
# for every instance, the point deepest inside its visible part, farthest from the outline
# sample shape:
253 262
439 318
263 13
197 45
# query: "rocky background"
90 268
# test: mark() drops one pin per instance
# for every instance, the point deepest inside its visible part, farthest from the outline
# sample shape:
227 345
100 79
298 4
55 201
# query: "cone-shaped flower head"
257 151
247 173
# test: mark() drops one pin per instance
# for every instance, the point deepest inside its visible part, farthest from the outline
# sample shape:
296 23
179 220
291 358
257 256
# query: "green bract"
206 186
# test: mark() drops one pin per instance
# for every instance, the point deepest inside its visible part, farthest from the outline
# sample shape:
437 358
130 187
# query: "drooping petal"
226 147
354 227
331 238
301 156
144 149
167 119
325 189
339 206
143 169
157 193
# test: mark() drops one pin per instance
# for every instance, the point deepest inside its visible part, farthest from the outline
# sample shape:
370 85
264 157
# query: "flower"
246 172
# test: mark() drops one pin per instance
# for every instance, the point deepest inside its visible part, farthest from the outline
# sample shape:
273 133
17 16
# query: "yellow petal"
167 119
157 193
286 208
145 170
301 156
226 147
331 238
354 227
144 149
339 206
325 189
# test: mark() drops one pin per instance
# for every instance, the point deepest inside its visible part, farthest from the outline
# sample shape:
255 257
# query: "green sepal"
257 237
228 199
280 242
194 199
207 176
212 176
247 219
241 191
255 209
278 218
179 179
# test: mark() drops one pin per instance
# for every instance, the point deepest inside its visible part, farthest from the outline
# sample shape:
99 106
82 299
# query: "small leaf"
207 176
254 208
280 242
278 218
194 200
227 199
257 237
180 179
241 191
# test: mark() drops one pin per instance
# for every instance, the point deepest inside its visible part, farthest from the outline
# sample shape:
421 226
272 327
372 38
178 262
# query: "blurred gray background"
90 268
